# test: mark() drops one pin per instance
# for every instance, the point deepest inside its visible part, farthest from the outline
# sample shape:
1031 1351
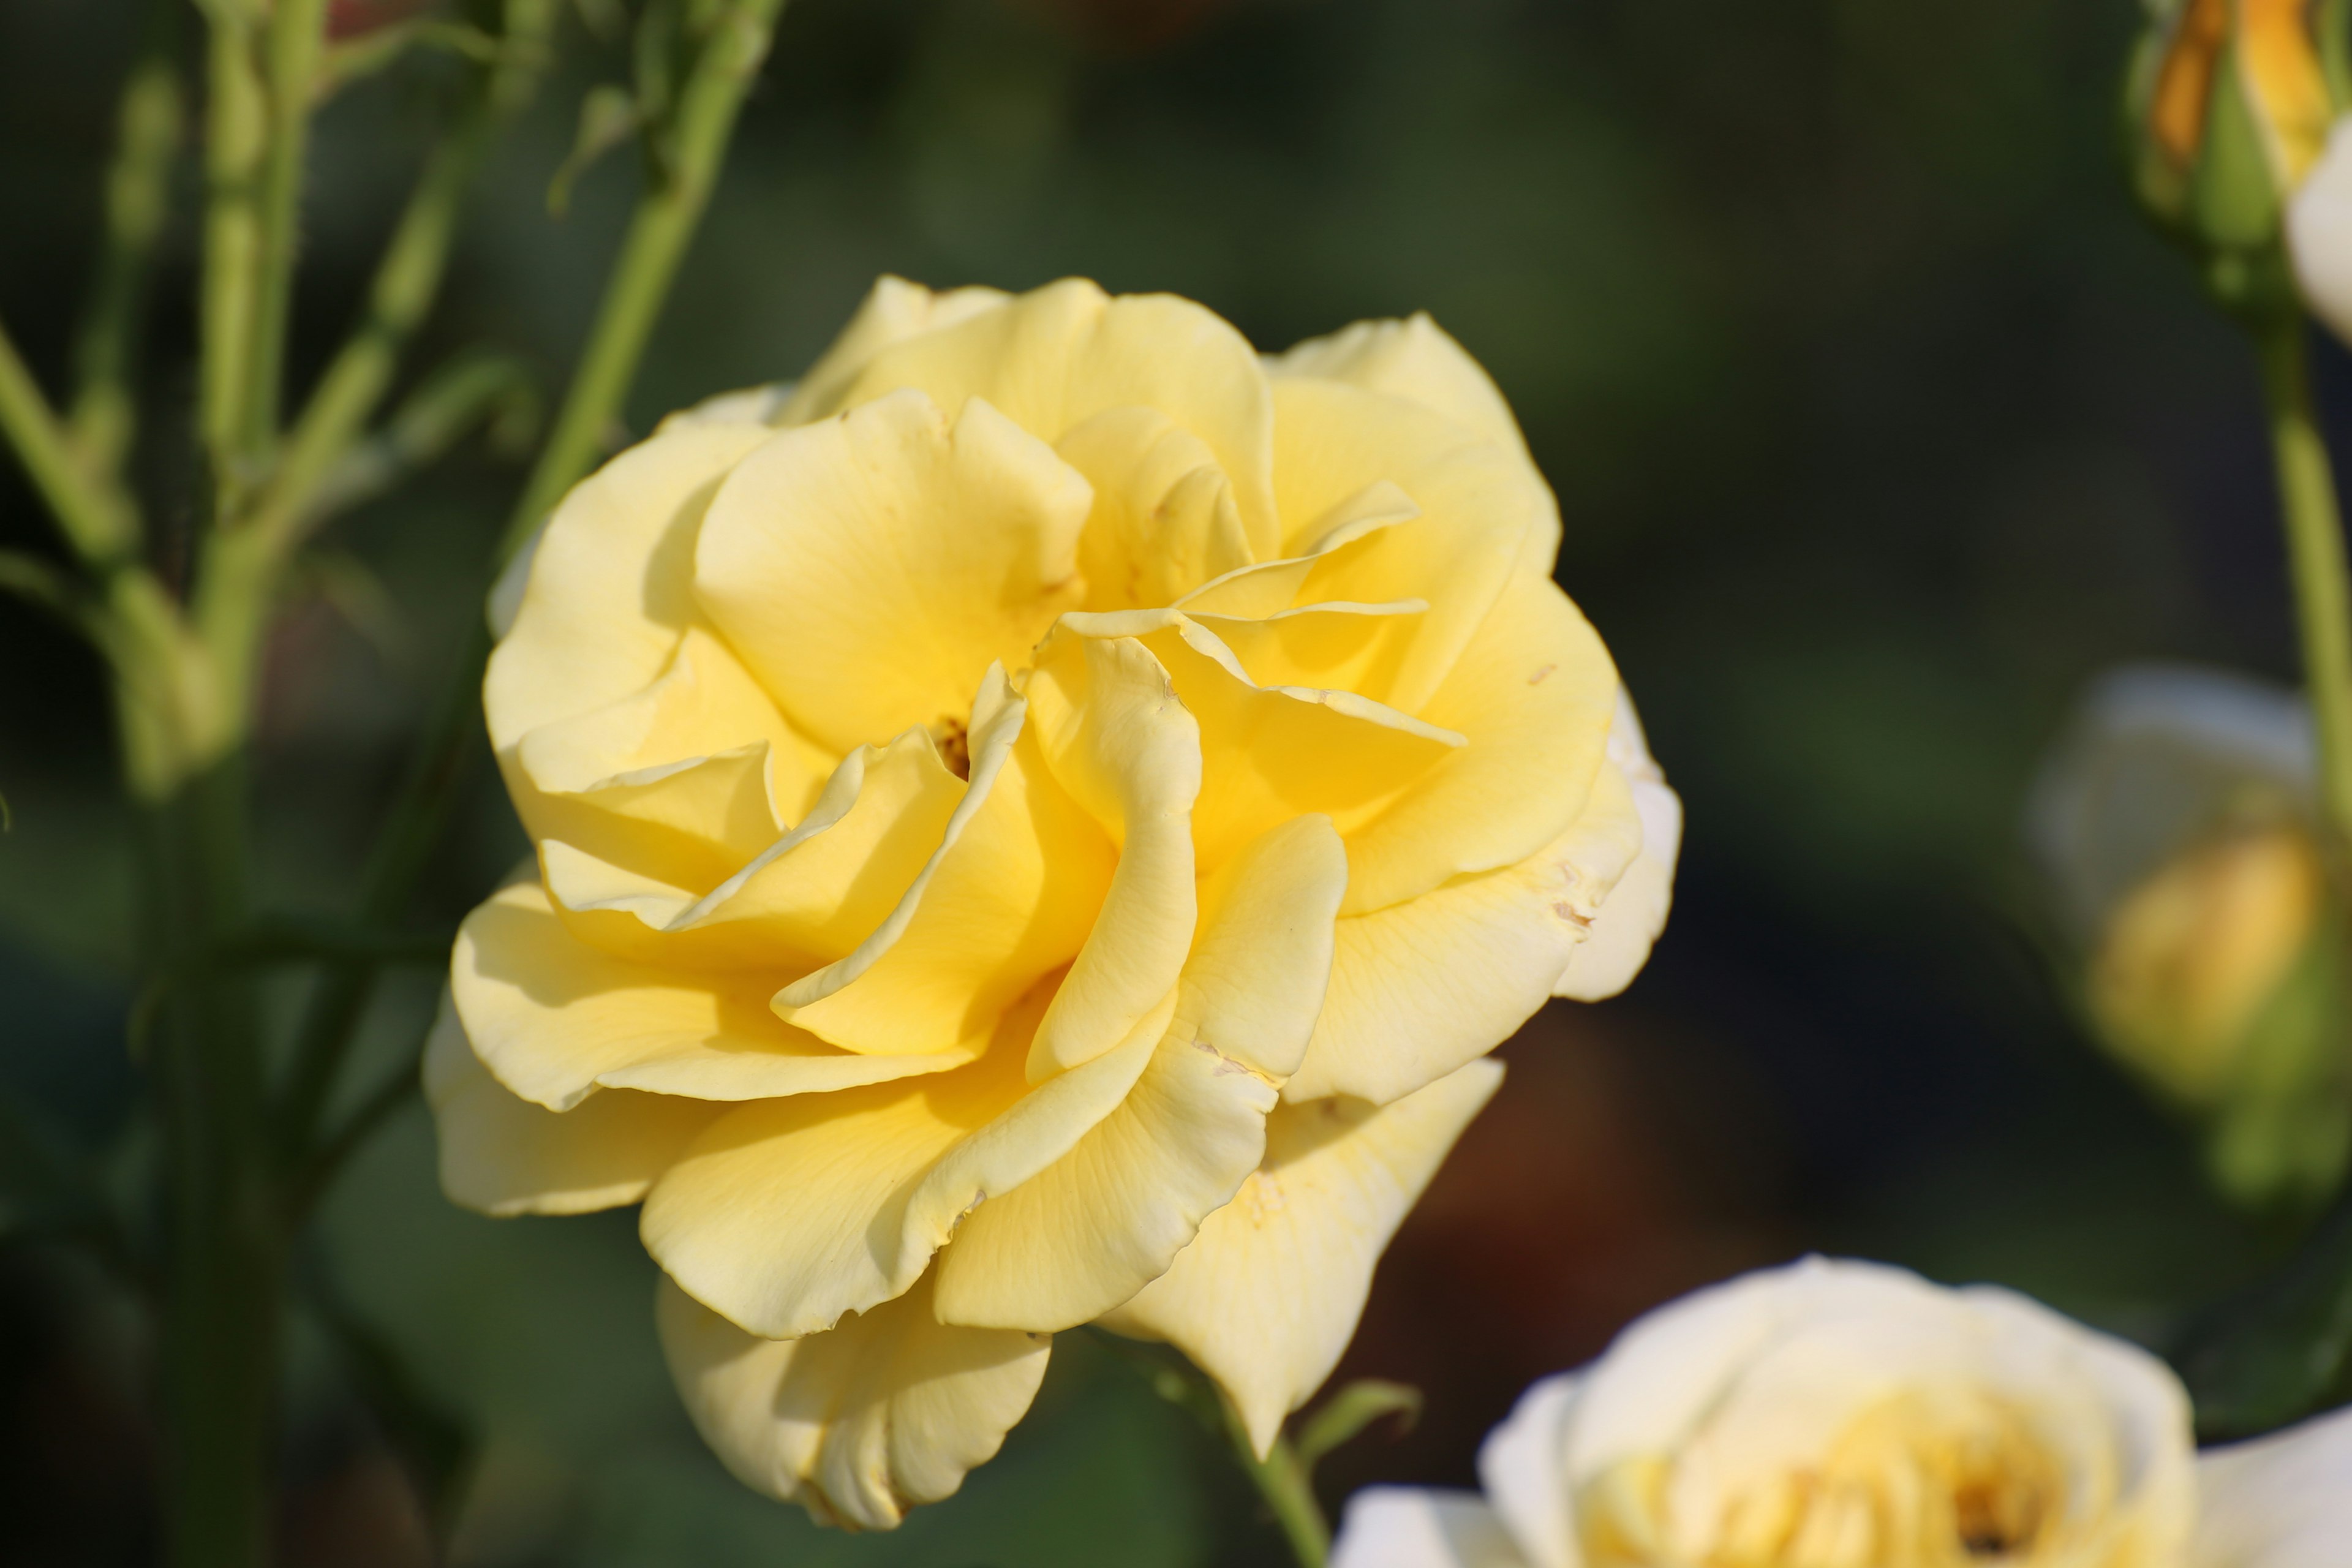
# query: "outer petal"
1120 743
504 1155
1411 1527
1054 358
1629 921
610 588
893 312
1416 359
1265 1297
554 1019
788 1212
1533 691
2280 1502
1107 1217
859 1424
1420 987
1523 1466
869 569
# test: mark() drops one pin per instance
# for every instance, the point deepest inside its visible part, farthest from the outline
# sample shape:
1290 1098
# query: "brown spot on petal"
954 745
1568 912
1539 676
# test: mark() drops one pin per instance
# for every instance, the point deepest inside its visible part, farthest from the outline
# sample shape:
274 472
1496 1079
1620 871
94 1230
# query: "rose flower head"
1039 823
1840 1415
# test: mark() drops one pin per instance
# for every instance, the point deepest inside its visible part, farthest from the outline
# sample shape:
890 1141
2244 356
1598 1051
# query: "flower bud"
2226 111
2175 824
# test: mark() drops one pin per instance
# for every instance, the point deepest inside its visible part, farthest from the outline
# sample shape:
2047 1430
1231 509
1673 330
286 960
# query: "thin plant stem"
297 46
663 223
237 137
148 128
1284 1485
406 280
2315 537
95 520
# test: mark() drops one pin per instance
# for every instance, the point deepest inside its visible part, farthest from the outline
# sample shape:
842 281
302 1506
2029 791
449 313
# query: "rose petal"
504 1155
1110 727
1521 1465
1164 519
1632 911
2280 1502
891 312
786 1214
1265 1297
1011 893
1107 1217
1416 1527
1054 358
859 1424
553 1019
869 569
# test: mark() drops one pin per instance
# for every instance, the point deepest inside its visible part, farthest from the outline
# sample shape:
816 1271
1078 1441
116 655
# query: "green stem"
237 136
138 201
406 280
1288 1490
659 234
2315 536
298 42
226 1248
95 520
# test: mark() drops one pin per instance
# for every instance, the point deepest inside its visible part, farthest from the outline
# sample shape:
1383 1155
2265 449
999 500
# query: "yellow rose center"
1930 1479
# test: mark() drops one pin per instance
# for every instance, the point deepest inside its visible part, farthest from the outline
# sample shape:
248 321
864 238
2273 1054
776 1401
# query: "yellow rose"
1037 824
1834 1415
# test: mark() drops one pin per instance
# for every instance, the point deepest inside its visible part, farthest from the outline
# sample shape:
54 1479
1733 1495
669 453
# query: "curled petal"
803 902
1478 503
1119 741
870 568
685 779
1055 358
555 1020
503 1155
1107 1217
1010 894
788 1212
1265 1297
859 1424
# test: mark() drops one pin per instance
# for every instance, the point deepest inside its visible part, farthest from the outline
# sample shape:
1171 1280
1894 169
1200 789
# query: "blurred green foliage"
1878 422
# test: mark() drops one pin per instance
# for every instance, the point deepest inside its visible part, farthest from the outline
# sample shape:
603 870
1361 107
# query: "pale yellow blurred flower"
1833 1414
1036 823
2175 821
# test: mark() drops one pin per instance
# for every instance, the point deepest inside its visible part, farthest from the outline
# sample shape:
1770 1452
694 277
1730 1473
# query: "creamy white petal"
1523 1466
2319 233
1632 915
2280 1502
1413 1527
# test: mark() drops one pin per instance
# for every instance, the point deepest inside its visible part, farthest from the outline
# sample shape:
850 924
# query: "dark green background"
1878 422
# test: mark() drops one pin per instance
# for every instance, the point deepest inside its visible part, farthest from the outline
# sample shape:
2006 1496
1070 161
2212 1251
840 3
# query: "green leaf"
1340 1419
608 117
